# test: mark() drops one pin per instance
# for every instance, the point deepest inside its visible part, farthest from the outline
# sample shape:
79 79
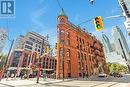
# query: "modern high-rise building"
125 6
28 49
34 42
3 38
121 44
79 54
110 51
106 44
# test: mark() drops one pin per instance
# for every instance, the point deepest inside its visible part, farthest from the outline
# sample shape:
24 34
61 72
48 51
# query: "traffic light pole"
109 17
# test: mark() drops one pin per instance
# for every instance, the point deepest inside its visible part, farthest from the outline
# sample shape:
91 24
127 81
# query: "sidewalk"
16 82
32 81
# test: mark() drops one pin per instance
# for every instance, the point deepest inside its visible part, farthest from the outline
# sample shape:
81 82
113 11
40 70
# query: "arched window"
62 21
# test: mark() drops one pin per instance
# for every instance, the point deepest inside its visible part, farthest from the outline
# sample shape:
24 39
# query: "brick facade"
81 52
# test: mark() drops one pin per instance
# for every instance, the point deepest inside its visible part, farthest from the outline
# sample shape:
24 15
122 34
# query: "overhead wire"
59 4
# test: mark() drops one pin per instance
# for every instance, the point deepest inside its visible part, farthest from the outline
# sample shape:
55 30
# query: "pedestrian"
12 75
21 74
7 75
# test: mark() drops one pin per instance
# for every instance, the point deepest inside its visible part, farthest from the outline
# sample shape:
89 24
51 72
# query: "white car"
102 75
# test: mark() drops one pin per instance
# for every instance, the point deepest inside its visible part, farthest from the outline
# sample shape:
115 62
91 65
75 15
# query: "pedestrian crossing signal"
98 23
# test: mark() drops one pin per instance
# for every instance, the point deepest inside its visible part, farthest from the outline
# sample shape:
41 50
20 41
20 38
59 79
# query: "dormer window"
62 21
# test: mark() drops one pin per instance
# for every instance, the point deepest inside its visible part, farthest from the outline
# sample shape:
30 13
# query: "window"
77 38
32 39
84 47
85 56
79 66
68 42
77 45
35 49
80 40
62 35
28 47
38 50
90 58
68 34
88 50
83 41
68 53
82 56
61 50
29 43
80 47
78 55
86 68
69 65
62 21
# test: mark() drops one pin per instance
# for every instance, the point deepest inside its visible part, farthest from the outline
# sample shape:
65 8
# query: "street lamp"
62 43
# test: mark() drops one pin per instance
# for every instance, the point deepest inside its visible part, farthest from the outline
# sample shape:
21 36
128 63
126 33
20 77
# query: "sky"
41 16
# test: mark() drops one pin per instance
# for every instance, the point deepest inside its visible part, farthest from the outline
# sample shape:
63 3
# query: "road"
92 82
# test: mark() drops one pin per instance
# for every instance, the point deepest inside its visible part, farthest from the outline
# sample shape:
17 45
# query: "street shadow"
56 83
124 79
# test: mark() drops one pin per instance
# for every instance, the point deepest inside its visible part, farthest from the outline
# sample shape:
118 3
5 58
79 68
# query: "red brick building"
80 53
21 59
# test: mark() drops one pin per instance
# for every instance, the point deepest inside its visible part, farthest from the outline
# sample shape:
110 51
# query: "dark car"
117 75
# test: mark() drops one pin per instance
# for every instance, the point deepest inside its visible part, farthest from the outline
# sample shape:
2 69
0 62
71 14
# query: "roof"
62 13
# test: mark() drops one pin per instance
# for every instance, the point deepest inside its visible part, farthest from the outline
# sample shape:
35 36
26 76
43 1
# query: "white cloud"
38 25
36 17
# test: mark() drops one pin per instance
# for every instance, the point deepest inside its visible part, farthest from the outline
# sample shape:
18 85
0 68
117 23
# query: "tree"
2 60
118 68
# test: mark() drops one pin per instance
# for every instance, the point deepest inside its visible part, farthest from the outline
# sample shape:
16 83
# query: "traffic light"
129 33
91 2
98 23
47 49
37 56
56 47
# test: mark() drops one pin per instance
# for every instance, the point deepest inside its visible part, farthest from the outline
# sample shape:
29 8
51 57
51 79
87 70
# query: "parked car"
117 75
102 75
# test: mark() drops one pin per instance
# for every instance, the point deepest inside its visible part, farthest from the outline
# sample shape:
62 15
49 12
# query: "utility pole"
7 60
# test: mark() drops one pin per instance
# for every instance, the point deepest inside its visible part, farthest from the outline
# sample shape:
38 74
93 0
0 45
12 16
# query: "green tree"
115 67
2 60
